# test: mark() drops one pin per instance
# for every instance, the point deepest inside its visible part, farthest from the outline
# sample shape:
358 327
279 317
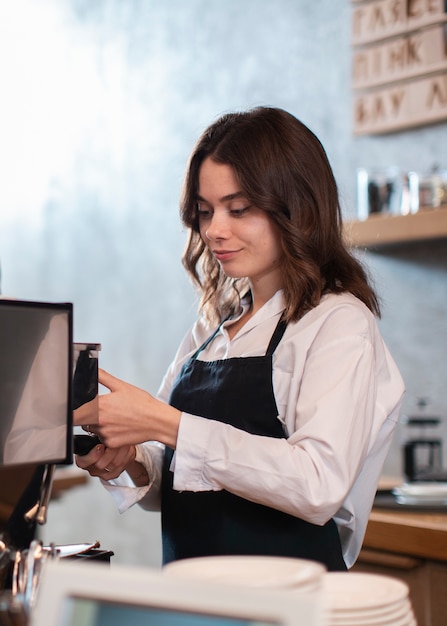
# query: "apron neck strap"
277 336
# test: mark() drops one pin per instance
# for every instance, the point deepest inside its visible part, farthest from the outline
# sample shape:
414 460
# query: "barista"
271 426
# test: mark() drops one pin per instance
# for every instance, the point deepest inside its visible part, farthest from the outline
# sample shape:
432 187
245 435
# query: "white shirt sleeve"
122 489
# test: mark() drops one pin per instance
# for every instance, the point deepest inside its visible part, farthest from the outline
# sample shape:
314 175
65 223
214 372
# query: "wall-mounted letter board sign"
399 64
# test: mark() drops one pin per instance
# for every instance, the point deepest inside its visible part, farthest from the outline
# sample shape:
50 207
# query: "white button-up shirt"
338 393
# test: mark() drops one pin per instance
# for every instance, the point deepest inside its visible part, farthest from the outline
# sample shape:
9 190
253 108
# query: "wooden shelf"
381 230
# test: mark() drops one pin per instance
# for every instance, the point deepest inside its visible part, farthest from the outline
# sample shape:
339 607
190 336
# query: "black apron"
236 391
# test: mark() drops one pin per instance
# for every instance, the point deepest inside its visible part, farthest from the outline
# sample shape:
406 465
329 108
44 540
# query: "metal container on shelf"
433 189
387 190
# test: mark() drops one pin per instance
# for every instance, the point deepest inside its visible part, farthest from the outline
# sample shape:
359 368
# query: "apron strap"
277 336
209 340
205 343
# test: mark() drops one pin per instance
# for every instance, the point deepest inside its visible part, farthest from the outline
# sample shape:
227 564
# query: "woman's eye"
237 212
203 213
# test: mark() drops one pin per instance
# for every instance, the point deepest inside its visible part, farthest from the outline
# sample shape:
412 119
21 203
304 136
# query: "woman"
272 424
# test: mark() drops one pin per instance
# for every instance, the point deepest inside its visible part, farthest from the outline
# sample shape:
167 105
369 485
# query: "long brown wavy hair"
283 169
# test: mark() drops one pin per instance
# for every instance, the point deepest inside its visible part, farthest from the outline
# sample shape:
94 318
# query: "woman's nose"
217 227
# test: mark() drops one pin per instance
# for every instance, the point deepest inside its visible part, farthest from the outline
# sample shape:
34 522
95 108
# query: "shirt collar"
271 308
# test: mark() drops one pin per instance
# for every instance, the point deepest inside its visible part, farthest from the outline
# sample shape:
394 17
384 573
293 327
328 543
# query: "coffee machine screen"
36 421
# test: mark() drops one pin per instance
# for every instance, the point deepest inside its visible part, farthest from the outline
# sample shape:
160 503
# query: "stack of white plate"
361 599
422 494
252 571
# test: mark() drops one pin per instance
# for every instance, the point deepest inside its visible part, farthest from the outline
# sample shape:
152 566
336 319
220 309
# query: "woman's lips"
225 255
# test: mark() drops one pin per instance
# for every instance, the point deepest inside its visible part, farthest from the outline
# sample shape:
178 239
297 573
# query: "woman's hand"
129 415
107 463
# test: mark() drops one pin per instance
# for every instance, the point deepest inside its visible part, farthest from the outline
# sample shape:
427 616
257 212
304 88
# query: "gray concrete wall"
101 103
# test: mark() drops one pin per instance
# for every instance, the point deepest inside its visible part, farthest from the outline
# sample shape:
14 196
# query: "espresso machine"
422 452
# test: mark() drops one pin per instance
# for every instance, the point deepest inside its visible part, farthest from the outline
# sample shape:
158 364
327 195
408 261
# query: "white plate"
430 490
363 618
249 571
418 501
358 591
397 610
408 620
421 494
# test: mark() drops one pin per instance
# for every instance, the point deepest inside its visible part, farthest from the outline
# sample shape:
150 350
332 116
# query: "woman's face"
241 237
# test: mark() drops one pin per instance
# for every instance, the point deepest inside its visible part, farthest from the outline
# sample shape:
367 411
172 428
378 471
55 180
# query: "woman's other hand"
108 463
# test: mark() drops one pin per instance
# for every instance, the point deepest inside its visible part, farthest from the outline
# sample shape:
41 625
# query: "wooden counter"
412 546
406 532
